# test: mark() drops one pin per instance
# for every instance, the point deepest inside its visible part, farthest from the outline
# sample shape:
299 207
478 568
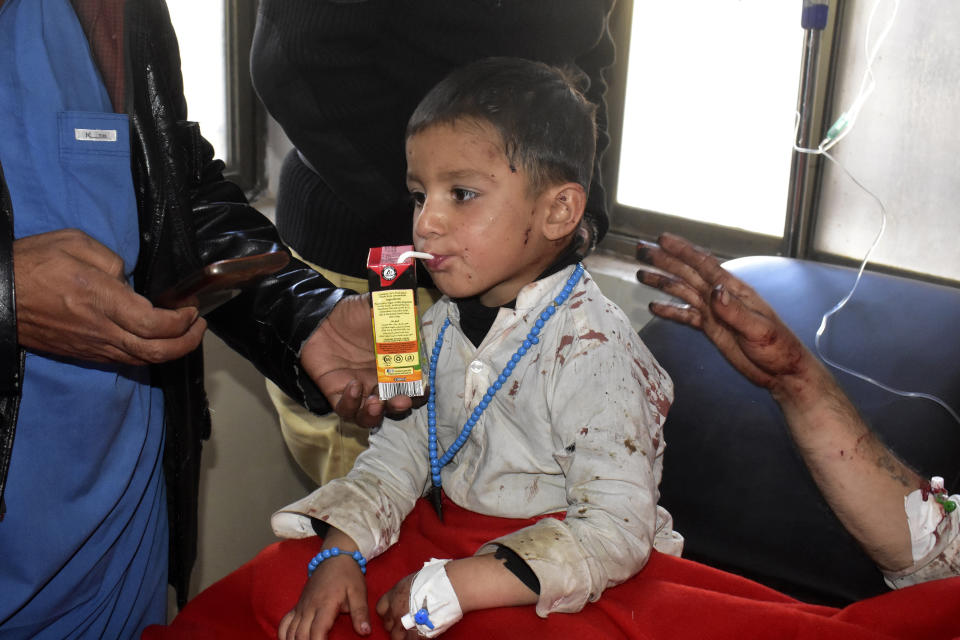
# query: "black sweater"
343 76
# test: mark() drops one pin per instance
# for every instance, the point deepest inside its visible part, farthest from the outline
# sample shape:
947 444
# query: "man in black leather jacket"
63 294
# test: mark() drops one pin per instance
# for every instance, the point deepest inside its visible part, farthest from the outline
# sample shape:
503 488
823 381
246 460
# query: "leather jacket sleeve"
190 216
11 355
268 323
10 369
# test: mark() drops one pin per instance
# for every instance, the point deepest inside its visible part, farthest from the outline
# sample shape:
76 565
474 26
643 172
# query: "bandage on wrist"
925 509
434 606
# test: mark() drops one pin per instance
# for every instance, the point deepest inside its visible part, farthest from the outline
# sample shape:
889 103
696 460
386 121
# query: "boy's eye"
462 195
418 198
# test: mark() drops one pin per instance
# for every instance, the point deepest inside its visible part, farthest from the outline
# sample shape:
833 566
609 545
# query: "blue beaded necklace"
436 464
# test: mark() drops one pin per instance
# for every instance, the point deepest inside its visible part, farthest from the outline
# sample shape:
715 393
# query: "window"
703 103
725 74
200 33
702 106
214 40
905 145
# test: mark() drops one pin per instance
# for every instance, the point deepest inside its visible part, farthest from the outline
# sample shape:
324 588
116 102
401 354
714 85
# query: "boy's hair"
547 126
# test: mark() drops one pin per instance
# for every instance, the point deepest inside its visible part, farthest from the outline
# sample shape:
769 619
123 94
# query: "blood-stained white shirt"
577 428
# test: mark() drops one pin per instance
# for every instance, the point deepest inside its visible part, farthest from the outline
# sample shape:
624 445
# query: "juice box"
396 324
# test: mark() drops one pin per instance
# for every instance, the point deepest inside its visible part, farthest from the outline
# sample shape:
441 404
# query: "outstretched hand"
865 487
72 300
739 322
339 358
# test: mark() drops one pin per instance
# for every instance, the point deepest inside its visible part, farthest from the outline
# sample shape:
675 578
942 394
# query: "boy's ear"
565 203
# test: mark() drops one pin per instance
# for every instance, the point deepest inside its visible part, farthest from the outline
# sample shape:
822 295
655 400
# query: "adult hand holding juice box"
392 276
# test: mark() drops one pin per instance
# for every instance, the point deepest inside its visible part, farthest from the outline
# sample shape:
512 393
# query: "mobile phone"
220 281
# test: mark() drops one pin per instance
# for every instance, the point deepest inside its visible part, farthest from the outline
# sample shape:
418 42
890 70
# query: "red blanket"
671 598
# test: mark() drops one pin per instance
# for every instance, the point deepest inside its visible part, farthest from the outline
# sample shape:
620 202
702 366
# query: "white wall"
246 472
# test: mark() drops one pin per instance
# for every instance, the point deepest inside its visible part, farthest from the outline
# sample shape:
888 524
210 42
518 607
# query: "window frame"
245 117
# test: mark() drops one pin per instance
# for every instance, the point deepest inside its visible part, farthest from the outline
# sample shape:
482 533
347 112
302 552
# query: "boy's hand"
337 586
393 605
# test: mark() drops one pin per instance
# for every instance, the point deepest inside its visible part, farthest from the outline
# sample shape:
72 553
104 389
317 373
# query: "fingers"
691 273
399 407
305 623
73 300
359 611
284 627
741 324
753 326
383 605
158 350
763 338
137 315
756 328
673 286
76 244
368 411
699 260
393 605
370 414
339 357
708 268
682 313
149 334
363 410
673 266
389 618
336 587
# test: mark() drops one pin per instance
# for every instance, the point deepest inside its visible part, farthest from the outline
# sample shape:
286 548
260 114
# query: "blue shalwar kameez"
83 547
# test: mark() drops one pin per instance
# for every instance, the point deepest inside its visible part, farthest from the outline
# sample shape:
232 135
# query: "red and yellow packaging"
396 324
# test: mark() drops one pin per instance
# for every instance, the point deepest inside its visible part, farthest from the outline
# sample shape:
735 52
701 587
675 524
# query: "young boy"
543 399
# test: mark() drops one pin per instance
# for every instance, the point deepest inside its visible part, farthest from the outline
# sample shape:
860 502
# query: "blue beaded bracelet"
335 551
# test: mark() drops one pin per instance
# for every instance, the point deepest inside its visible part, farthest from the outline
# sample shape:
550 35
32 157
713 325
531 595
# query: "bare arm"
860 478
480 582
484 582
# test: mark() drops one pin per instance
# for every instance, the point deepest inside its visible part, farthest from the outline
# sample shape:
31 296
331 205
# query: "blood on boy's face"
474 212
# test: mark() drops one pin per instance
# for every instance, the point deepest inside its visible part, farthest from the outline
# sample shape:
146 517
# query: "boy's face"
475 213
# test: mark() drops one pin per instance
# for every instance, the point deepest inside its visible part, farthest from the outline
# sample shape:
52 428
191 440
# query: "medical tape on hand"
431 590
924 515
